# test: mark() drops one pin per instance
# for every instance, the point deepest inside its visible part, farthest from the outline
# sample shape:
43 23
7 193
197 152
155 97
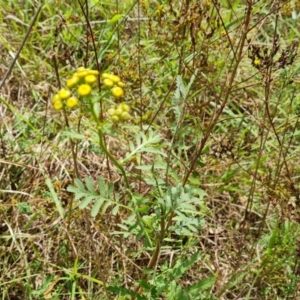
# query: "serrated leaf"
90 185
96 207
155 151
85 202
72 189
105 206
201 286
79 184
110 190
101 186
115 210
79 195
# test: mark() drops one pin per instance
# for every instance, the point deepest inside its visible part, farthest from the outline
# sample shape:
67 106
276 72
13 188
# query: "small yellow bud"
55 98
64 94
105 75
72 102
115 119
108 82
93 72
118 112
90 79
256 61
84 90
115 78
80 69
72 81
117 92
58 105
124 107
121 84
82 73
111 111
125 116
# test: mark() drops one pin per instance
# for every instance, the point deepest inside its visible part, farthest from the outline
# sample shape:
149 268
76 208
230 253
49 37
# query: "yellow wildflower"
72 102
72 81
90 79
64 94
117 92
58 105
84 90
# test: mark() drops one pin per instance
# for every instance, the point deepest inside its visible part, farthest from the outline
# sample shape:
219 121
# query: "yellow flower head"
80 69
121 84
111 111
105 75
55 98
72 102
125 116
64 94
114 78
117 92
115 119
72 81
108 82
81 74
124 107
58 105
257 62
93 72
84 90
90 79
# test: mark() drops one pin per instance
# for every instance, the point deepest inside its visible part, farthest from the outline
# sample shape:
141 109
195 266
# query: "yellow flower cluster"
82 79
114 82
119 113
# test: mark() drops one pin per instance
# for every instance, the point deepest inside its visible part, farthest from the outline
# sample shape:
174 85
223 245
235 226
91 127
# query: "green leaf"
201 286
183 264
101 186
73 135
115 19
83 204
55 198
96 207
90 185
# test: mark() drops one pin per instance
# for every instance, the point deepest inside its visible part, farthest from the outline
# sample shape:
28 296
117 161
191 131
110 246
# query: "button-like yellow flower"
108 82
84 90
118 112
114 78
111 111
55 98
64 94
90 79
124 107
93 72
125 116
115 119
80 69
105 75
58 105
121 84
117 92
72 81
82 74
257 62
72 102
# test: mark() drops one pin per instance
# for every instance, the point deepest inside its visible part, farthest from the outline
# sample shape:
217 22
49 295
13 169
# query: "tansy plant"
82 83
80 90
